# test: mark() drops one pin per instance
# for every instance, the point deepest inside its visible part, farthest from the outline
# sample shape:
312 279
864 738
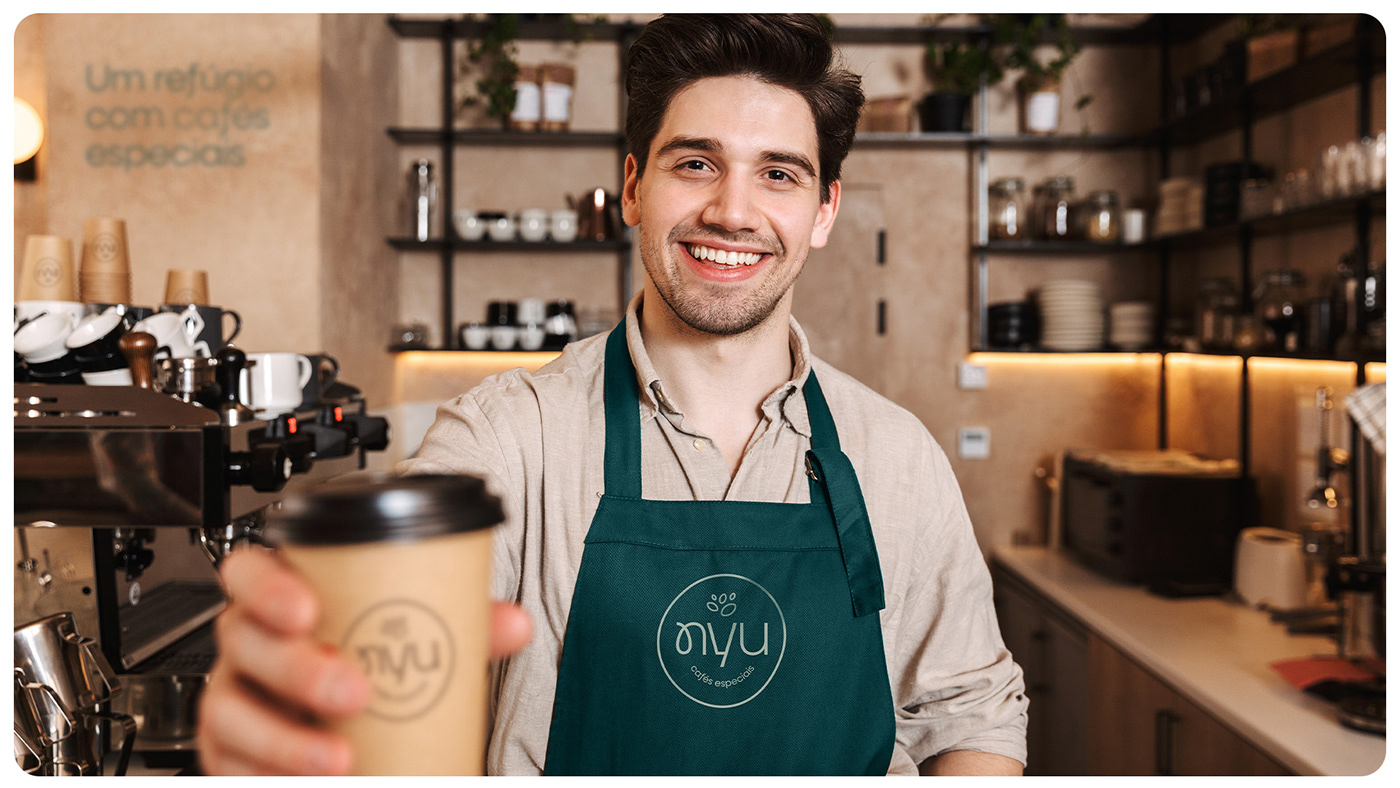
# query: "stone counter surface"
1215 652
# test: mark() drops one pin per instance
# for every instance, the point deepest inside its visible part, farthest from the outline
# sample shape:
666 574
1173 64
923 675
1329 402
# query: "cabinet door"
1020 618
1129 713
1202 746
1065 734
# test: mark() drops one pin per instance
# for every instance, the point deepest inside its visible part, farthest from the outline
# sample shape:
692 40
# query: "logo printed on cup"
105 246
47 272
406 651
721 640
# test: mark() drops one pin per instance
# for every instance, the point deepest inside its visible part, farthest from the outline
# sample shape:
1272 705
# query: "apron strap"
622 450
830 467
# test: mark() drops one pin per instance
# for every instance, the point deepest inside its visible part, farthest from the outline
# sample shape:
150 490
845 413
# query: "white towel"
1367 408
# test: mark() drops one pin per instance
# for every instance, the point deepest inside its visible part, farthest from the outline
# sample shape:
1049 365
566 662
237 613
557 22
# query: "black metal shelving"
447 138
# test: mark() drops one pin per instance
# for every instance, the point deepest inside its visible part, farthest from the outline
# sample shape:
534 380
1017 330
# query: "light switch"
974 443
971 376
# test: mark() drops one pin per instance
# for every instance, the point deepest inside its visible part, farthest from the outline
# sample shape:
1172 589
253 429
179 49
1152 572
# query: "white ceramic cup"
476 336
534 224
563 226
532 336
45 338
169 330
501 229
530 310
469 226
272 383
1134 226
112 377
503 337
27 310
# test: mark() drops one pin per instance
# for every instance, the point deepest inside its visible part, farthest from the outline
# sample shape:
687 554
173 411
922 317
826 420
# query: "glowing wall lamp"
29 135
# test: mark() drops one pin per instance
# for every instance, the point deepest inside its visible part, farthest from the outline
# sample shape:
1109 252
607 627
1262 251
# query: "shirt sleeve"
463 440
956 686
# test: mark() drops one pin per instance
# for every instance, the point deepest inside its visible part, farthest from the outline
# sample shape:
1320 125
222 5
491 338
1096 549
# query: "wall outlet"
974 443
971 376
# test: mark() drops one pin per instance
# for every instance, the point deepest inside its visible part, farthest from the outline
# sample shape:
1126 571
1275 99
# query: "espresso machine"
126 500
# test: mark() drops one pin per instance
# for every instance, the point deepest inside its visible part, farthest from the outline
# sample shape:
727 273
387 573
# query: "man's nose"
731 206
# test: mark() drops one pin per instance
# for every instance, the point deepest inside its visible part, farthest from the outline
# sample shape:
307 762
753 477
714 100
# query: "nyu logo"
721 640
406 652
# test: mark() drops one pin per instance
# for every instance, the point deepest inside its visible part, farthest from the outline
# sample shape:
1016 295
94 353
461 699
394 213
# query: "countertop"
1214 651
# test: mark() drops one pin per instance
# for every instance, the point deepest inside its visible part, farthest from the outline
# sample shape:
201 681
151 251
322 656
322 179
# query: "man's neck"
718 382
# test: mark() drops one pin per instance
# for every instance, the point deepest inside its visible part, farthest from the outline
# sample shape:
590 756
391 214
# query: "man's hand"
272 682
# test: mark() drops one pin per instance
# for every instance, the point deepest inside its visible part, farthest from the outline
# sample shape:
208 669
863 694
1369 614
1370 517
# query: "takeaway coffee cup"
183 286
272 383
402 568
46 273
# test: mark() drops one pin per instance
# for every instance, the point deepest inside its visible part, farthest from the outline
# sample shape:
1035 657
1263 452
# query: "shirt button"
699 444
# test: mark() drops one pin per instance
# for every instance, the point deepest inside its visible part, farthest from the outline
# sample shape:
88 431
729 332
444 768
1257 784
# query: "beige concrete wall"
236 195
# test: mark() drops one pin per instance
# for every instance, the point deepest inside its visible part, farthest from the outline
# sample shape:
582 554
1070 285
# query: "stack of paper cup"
106 273
47 271
186 287
1071 315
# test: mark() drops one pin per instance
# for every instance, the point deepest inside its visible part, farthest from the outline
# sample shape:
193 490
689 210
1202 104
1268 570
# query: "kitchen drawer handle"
1166 740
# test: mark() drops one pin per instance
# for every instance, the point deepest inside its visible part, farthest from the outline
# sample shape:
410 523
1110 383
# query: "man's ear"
826 216
631 208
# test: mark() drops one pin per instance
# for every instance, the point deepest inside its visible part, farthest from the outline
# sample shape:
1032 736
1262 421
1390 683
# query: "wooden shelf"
923 139
1048 248
1305 217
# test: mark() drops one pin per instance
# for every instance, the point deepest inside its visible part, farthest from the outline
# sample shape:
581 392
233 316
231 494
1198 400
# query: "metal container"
164 706
192 379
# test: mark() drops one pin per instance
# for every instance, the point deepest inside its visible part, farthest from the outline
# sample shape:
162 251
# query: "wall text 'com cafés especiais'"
180 117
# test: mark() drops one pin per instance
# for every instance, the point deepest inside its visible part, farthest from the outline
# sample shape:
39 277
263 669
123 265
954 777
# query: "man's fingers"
245 735
269 591
296 670
511 629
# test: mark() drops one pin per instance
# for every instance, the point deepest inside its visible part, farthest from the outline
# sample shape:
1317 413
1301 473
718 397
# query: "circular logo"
407 653
104 246
185 295
47 272
721 640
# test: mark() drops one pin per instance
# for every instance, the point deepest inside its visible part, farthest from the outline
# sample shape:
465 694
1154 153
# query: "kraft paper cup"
420 632
47 271
104 246
187 287
104 288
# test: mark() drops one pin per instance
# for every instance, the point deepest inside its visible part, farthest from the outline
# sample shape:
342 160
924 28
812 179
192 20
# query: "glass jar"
1217 305
1099 215
1007 198
1055 209
1280 305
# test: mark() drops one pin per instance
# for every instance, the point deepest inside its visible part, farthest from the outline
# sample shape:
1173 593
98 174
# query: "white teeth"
721 257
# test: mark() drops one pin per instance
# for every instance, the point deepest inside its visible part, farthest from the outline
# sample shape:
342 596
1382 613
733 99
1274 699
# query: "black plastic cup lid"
384 508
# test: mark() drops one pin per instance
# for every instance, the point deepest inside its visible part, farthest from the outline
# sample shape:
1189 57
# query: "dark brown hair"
788 50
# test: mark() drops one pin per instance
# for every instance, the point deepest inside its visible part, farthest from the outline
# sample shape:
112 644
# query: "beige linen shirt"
538 440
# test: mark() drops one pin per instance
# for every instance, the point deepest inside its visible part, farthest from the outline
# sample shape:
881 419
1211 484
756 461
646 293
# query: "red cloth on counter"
1307 671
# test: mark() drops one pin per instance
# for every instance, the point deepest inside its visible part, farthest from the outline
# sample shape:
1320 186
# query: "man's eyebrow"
711 145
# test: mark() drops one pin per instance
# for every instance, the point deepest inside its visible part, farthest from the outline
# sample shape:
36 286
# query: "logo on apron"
721 640
406 651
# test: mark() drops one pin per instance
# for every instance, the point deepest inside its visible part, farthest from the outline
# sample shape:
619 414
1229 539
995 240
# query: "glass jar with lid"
1007 210
1280 304
1055 209
1217 307
1099 215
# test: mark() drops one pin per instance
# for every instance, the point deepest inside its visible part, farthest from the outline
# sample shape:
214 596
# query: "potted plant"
493 56
956 71
1016 38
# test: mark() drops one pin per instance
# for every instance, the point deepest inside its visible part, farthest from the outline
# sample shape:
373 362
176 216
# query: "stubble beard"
707 308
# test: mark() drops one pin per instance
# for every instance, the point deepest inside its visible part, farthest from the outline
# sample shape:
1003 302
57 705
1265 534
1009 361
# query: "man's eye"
693 164
778 175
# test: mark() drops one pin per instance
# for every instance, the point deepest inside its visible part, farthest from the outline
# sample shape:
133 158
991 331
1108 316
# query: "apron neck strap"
622 451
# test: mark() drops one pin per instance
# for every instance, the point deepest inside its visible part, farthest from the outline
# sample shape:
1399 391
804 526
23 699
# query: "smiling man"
735 559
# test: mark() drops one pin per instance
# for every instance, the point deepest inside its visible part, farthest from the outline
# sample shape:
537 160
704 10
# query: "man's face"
730 202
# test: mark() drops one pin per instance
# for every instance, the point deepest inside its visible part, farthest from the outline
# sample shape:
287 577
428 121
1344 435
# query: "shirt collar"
780 404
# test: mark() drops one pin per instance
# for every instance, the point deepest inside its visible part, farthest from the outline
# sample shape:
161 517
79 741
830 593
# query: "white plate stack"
1130 325
1071 315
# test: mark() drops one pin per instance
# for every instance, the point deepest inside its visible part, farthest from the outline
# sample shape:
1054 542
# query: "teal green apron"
723 637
